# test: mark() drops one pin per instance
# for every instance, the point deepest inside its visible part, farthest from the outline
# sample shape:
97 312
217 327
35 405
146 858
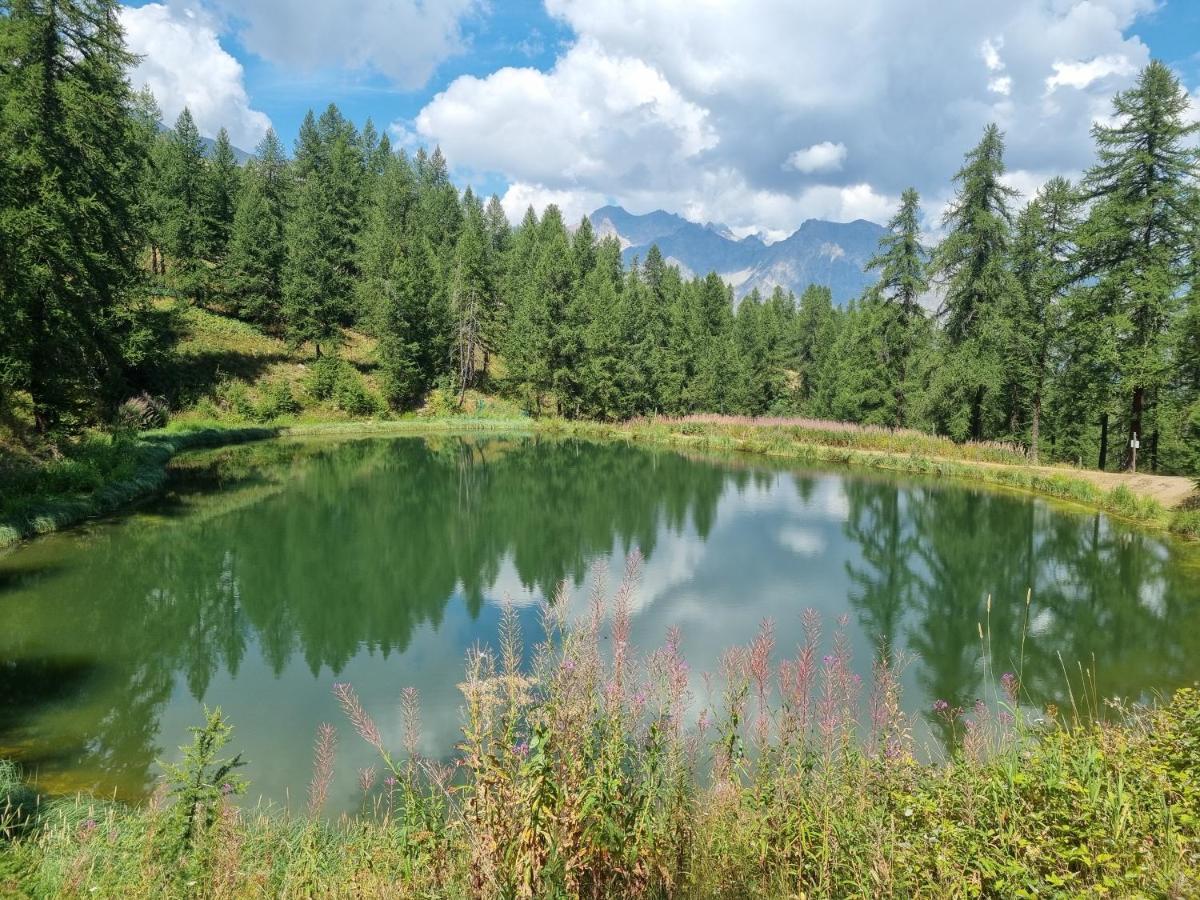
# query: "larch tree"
72 168
1136 240
971 265
253 269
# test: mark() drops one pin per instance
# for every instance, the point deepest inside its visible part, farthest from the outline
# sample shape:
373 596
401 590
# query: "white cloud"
823 157
691 106
573 204
184 65
1079 74
404 40
990 50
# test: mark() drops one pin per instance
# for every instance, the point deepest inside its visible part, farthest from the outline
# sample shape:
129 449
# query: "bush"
277 400
323 376
232 395
142 413
333 380
350 395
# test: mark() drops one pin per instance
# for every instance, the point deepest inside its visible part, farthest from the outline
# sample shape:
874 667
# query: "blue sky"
757 113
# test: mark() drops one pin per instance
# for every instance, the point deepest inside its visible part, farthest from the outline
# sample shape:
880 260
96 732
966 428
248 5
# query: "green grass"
896 451
590 774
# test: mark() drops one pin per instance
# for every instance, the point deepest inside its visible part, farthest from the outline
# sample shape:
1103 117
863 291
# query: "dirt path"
1169 490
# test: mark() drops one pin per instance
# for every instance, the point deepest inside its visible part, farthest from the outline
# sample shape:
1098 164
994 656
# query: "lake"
268 572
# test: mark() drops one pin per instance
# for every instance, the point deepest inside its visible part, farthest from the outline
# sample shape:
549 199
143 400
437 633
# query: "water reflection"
273 569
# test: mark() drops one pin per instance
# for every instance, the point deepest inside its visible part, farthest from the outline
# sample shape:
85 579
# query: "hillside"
832 254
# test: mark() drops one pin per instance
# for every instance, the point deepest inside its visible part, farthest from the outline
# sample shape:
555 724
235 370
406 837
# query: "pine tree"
73 167
902 263
407 349
222 186
253 268
1042 263
313 288
815 330
185 227
1135 241
471 289
971 265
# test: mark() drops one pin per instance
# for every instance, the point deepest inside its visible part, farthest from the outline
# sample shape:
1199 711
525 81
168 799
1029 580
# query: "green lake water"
269 572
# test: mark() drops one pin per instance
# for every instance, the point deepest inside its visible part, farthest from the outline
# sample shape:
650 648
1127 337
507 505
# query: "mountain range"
833 254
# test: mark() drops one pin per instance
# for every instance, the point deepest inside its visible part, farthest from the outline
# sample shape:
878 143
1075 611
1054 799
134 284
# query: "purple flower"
1011 685
940 706
521 748
226 789
568 665
389 782
639 698
828 660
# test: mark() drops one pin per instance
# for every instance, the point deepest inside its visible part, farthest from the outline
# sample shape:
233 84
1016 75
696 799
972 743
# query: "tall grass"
593 772
895 450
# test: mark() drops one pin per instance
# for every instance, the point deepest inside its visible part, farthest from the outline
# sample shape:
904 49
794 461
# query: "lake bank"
1155 501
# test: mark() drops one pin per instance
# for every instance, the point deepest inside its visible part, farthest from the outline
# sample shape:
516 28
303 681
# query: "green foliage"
571 783
198 785
73 157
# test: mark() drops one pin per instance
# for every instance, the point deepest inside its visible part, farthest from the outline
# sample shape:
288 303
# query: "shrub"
141 413
322 377
231 395
277 400
350 394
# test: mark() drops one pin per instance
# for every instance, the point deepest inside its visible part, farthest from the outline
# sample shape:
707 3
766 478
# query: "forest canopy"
1064 322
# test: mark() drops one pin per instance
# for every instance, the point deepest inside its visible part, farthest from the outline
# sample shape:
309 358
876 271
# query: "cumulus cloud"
184 64
1080 73
403 40
823 157
691 107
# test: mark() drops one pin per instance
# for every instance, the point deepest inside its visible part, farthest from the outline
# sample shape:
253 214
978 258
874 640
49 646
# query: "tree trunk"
1035 427
1137 407
977 415
1103 441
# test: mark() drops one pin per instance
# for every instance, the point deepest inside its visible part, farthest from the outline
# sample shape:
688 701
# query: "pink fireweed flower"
1012 686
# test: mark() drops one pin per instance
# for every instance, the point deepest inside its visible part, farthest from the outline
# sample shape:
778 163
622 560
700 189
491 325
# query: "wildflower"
226 789
521 748
702 723
389 782
940 706
639 699
568 665
1011 686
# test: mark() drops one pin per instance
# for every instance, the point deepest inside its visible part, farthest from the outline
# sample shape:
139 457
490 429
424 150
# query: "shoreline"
1128 500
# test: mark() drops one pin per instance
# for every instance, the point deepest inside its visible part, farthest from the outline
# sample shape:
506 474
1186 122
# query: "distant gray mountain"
826 253
239 154
208 143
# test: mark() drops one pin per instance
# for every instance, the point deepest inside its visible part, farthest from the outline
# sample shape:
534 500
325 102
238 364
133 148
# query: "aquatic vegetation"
592 771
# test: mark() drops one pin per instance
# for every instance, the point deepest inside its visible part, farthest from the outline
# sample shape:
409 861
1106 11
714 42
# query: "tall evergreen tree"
71 168
257 250
1042 249
1135 241
471 288
971 265
313 287
186 229
221 189
902 264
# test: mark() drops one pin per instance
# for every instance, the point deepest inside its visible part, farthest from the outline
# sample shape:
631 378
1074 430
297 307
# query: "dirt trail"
1169 490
